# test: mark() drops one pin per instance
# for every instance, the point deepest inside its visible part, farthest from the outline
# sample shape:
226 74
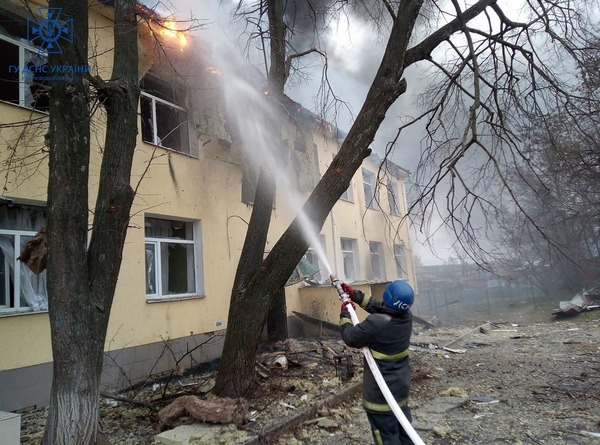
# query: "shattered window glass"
22 67
164 118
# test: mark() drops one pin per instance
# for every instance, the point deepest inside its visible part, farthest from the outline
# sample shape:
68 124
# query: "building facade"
193 196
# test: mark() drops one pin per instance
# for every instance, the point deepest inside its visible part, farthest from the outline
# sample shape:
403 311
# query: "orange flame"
169 29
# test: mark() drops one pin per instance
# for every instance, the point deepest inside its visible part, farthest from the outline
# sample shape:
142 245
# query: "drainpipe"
334 235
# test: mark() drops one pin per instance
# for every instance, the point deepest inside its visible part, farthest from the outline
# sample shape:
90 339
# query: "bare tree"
515 72
559 245
492 70
82 277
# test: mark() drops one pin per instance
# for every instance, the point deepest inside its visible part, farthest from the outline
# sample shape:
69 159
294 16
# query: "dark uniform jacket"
387 334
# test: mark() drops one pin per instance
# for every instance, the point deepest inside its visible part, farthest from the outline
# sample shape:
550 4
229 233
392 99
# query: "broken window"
171 252
23 69
350 258
164 118
313 258
377 260
21 290
369 188
249 190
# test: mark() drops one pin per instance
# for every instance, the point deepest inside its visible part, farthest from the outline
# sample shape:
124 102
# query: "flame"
169 29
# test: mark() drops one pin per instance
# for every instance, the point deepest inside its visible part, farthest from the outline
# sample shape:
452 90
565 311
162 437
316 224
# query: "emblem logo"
48 33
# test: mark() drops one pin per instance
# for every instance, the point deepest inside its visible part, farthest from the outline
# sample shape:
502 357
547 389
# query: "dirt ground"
523 378
529 379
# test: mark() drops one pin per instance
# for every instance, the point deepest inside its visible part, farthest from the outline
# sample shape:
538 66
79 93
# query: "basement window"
23 69
21 290
164 118
173 259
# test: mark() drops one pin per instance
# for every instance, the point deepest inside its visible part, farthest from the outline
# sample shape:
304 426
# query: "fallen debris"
35 253
586 300
482 328
589 433
454 391
212 411
481 400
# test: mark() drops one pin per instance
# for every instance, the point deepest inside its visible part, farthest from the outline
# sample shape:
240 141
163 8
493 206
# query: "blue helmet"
399 296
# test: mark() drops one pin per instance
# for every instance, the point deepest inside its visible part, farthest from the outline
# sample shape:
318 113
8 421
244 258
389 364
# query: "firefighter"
386 331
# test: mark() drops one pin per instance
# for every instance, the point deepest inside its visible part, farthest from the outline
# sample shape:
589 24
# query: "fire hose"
389 398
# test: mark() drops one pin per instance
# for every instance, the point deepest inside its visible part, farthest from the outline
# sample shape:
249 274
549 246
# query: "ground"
522 378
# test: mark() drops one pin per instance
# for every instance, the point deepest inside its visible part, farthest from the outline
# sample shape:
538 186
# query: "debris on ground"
214 410
586 300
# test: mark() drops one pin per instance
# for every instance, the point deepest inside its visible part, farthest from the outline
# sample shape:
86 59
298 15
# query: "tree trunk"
81 281
236 371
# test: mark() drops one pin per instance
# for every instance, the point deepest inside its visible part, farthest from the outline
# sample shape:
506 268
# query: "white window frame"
369 188
351 255
196 257
155 138
400 260
23 46
377 257
16 267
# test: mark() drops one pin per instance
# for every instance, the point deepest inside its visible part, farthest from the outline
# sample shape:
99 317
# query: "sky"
354 51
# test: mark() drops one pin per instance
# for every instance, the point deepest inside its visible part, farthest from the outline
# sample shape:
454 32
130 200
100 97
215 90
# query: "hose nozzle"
335 282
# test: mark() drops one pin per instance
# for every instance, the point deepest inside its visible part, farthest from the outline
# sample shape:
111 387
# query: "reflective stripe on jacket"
387 334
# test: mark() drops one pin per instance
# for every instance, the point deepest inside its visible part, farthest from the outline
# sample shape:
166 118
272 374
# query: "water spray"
389 398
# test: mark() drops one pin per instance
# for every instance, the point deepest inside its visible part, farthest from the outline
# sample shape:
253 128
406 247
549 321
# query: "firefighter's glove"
344 310
348 289
356 295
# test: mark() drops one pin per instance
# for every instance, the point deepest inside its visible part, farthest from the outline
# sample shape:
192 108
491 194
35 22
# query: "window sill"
9 313
173 298
24 107
172 150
